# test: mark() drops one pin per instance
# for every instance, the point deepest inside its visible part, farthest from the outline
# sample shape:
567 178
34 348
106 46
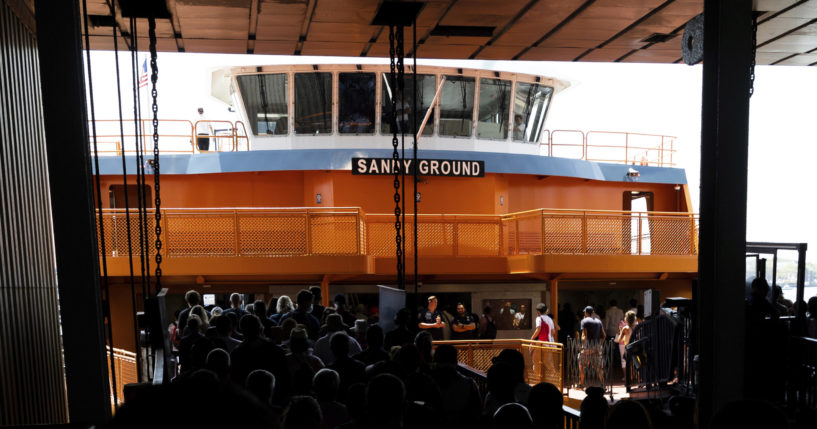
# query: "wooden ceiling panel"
337 32
348 11
164 44
765 58
446 51
238 46
675 15
777 26
431 13
483 12
792 44
332 48
538 21
607 54
800 60
457 40
806 10
274 47
600 21
653 56
213 22
498 52
552 54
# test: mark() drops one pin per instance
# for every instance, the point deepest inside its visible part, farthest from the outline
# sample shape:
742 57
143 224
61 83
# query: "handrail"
304 231
626 147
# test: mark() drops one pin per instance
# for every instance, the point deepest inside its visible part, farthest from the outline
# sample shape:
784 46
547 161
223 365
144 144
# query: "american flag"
143 76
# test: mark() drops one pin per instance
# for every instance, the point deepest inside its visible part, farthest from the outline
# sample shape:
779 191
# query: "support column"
66 132
32 388
325 290
554 300
719 293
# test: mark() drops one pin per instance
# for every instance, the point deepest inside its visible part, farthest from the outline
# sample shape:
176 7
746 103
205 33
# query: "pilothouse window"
313 103
265 97
530 106
356 93
457 106
425 94
494 106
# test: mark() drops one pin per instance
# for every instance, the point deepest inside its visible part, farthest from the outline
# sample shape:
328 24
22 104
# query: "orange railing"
543 360
273 232
611 146
125 366
560 231
176 136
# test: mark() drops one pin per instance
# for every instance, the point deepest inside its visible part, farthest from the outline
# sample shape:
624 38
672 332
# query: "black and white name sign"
425 167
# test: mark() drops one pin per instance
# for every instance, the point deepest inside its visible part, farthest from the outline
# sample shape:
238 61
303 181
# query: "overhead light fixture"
632 172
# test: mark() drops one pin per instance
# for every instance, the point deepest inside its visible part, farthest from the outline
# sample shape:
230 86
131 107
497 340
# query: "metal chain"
754 54
398 225
154 76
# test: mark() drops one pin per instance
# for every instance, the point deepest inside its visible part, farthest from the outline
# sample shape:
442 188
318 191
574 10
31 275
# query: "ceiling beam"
310 13
255 9
558 27
504 29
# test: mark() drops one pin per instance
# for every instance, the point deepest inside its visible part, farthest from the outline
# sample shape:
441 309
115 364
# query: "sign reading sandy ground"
425 167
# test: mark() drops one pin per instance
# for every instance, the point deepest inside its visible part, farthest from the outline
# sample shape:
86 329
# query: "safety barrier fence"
271 232
590 363
543 360
556 231
125 366
611 146
180 136
802 386
175 136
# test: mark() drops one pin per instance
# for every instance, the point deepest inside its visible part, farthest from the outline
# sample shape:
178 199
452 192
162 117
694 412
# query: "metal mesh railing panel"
116 234
200 234
562 233
267 234
671 235
125 366
333 234
529 231
607 234
478 239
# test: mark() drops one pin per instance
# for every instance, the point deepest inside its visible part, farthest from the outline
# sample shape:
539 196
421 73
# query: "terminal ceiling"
540 30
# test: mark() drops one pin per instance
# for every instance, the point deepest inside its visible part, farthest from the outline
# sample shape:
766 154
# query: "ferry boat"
299 192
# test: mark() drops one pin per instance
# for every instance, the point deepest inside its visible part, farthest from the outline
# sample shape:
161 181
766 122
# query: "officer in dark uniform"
464 326
431 320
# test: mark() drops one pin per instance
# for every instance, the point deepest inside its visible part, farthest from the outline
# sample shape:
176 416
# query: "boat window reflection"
356 94
457 106
313 103
425 94
494 107
265 98
530 106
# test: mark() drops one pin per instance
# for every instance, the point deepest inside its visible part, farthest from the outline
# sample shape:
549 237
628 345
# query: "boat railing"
176 136
180 136
271 232
125 366
543 360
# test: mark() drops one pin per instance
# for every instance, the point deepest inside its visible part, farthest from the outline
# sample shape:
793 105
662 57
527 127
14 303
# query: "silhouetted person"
301 363
356 407
594 409
400 334
282 307
261 384
325 384
218 361
385 396
351 371
811 323
317 307
192 298
303 314
749 413
487 325
545 405
256 352
224 334
461 402
303 412
501 384
512 415
194 346
323 350
464 325
628 414
757 306
236 300
515 359
374 351
342 309
260 310
424 344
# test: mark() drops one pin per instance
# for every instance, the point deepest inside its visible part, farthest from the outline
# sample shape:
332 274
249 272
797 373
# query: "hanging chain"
754 54
154 76
394 64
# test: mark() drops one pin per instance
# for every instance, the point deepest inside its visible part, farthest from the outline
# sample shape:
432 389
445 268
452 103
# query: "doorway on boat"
637 227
